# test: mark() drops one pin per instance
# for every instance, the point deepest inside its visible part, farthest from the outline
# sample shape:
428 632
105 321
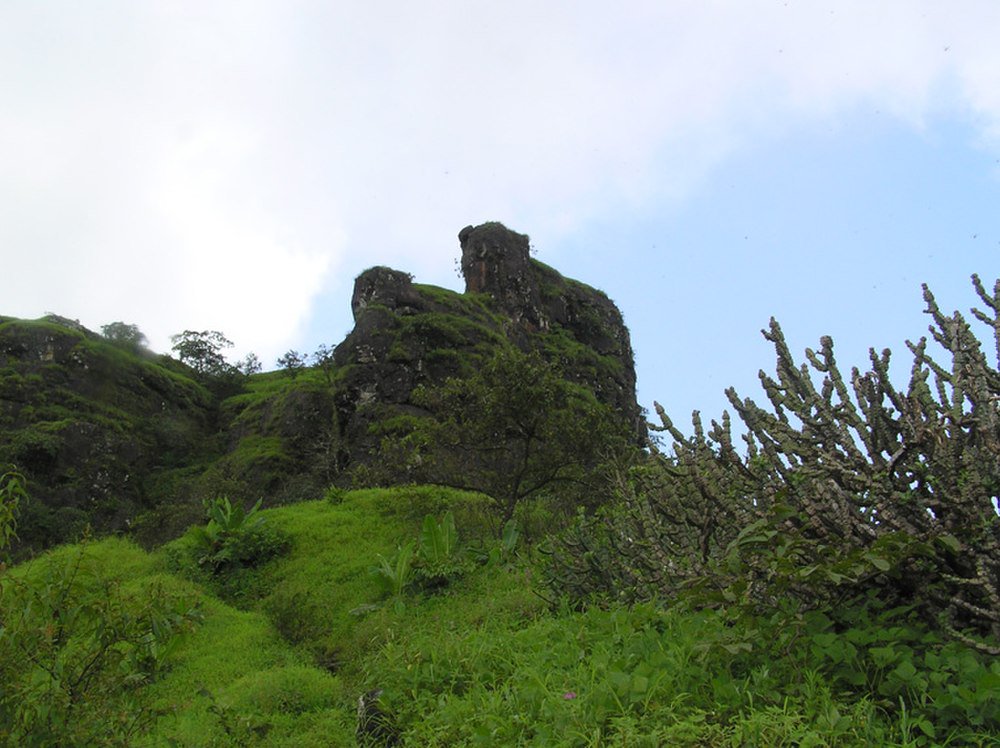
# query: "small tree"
249 365
292 362
124 336
202 351
514 430
323 358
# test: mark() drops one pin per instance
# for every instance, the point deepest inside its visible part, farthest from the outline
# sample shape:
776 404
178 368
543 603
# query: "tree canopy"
202 351
514 430
124 335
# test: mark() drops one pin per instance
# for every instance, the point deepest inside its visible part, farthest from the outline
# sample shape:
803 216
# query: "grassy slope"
255 665
481 662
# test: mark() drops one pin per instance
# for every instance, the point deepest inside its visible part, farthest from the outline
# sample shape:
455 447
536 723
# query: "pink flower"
569 695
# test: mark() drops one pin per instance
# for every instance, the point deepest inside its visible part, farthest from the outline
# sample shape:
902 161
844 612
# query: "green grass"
236 677
285 649
472 306
310 594
302 605
640 676
261 389
595 678
233 678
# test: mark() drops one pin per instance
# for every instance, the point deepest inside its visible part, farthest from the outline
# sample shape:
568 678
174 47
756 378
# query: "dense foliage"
514 430
202 351
831 583
848 488
235 537
317 658
127 336
77 645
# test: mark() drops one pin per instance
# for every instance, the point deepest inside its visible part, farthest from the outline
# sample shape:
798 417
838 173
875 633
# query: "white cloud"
224 255
210 165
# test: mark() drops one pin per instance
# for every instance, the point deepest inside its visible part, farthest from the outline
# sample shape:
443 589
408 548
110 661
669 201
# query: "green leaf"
950 542
640 684
736 648
878 562
905 671
825 640
438 540
510 536
620 682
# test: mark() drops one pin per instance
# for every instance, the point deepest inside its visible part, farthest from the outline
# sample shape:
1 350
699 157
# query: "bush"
440 559
235 538
12 493
845 488
436 561
75 648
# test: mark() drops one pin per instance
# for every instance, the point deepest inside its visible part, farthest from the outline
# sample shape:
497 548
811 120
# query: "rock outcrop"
113 436
496 261
90 424
408 334
405 335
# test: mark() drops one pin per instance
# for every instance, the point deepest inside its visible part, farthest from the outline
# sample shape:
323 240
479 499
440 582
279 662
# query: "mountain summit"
116 436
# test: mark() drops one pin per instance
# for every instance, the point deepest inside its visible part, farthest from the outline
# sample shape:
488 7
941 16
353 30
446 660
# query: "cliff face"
90 424
408 334
537 299
405 335
110 436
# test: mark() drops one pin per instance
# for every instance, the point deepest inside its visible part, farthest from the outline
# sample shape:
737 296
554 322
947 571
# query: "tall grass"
483 660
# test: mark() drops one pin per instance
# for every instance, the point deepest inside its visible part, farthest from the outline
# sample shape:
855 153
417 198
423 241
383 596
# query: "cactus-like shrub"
845 485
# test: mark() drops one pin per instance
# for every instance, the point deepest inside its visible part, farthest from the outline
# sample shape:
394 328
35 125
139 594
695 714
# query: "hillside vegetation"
98 428
280 653
360 553
118 438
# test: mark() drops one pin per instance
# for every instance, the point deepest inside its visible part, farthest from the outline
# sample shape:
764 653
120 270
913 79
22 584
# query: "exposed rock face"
408 334
89 424
404 335
497 261
385 286
107 434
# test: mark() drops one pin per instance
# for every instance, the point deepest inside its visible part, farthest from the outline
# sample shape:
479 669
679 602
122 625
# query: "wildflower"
569 695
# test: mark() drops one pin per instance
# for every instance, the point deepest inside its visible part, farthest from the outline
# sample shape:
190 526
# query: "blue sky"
830 233
831 230
234 165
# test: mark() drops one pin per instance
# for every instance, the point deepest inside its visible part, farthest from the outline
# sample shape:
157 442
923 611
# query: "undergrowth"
648 676
485 660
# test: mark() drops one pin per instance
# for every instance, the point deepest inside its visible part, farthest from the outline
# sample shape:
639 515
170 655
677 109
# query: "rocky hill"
93 425
407 334
112 435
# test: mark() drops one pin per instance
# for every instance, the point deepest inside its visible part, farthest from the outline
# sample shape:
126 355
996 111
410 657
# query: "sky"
709 164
